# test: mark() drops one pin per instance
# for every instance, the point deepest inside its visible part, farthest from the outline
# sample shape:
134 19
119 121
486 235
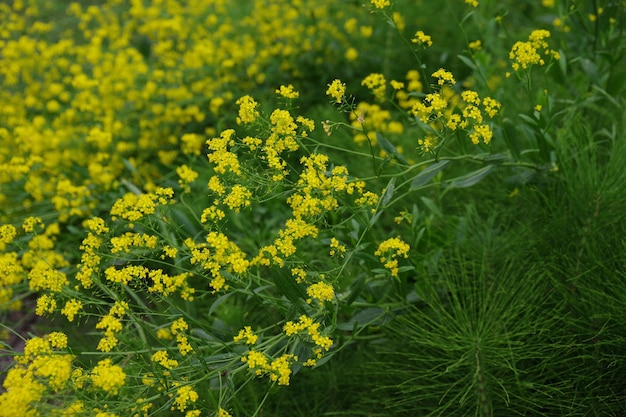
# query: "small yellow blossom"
161 357
475 45
336 90
71 308
186 175
247 110
247 334
443 77
320 291
31 223
388 252
376 82
223 413
351 54
287 91
380 4
184 396
422 39
108 377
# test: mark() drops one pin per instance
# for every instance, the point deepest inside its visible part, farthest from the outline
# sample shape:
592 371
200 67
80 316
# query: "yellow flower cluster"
389 251
309 330
124 242
112 325
216 254
133 207
288 91
278 370
247 334
377 83
162 358
42 370
321 292
421 38
336 90
381 4
528 53
336 248
248 112
108 377
177 328
183 397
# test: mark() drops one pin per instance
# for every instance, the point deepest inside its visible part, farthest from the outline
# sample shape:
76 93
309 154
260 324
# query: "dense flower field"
224 208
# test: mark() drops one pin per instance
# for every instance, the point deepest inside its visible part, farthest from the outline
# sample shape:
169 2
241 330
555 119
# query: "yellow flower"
380 4
321 292
184 395
351 54
31 223
247 334
108 377
422 39
336 90
475 45
7 234
288 91
186 175
525 54
388 252
281 369
161 357
376 82
247 110
223 413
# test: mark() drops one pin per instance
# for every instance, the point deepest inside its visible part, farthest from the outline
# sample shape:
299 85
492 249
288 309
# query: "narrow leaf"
468 62
388 147
472 178
430 204
389 189
429 173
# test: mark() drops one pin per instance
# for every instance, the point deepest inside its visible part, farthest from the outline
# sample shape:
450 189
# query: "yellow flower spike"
247 110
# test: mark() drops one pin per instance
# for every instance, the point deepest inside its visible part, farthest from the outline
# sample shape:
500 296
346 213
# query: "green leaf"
388 147
472 178
426 175
375 218
496 158
289 288
431 206
218 302
468 62
389 189
528 119
367 317
509 134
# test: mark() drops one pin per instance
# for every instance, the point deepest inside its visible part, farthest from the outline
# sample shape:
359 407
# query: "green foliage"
200 232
